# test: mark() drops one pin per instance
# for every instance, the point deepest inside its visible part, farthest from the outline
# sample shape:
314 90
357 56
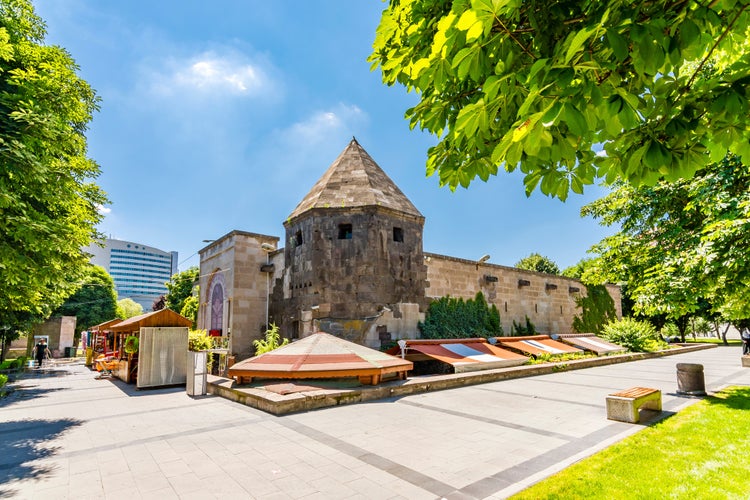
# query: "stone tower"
353 253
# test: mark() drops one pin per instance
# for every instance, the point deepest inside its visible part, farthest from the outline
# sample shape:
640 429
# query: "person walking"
41 352
745 341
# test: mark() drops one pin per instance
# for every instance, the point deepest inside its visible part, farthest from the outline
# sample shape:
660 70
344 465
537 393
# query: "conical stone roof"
355 180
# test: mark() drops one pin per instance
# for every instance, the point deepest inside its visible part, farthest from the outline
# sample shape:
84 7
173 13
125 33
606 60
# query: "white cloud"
218 74
103 210
322 125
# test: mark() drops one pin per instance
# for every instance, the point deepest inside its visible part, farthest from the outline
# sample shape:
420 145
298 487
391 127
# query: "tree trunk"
724 334
682 324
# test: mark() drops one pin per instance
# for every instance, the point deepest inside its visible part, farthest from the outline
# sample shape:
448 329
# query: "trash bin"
690 379
197 376
70 352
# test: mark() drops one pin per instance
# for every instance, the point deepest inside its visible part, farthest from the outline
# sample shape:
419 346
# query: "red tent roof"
321 355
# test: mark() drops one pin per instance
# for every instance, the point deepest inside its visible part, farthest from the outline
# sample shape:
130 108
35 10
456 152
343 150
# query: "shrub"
520 330
455 318
271 342
636 336
198 340
3 380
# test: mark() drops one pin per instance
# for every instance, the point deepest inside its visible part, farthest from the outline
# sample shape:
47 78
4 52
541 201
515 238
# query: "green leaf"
535 68
575 120
577 42
619 45
471 118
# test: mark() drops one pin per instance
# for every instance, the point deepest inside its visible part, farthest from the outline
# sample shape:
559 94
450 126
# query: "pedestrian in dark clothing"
41 351
745 341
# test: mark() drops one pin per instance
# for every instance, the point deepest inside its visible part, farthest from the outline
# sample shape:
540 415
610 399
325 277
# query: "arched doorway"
216 305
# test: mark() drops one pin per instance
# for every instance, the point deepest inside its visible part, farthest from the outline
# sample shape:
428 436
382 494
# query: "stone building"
353 265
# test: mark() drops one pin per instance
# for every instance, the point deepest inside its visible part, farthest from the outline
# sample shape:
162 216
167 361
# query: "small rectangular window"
345 231
298 238
398 234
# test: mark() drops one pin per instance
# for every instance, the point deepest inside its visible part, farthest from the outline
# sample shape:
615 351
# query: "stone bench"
624 405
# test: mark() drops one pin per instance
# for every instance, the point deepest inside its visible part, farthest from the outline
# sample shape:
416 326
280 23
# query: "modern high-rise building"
139 271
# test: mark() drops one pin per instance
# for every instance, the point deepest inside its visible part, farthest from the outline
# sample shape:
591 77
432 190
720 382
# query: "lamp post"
268 248
484 258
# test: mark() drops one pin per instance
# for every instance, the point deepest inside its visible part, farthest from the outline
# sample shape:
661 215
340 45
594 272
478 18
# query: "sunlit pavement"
66 434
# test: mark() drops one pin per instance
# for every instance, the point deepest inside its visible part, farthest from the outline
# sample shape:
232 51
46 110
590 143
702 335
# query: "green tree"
682 246
127 308
660 86
190 309
577 270
180 287
538 263
48 202
94 302
12 325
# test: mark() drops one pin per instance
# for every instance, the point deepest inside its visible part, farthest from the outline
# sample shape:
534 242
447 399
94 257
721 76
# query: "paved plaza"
68 435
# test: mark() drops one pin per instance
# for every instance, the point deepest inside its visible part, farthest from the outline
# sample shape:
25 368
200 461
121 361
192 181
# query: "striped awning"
536 345
463 354
591 343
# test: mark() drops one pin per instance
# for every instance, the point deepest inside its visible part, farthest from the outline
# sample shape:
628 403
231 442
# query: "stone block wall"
549 301
236 260
344 267
60 332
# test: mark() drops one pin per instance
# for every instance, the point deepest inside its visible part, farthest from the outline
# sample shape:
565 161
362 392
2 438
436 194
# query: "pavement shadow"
131 390
23 392
23 442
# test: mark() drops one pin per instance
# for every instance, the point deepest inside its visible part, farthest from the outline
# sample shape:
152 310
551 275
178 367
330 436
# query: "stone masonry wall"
548 300
344 283
239 257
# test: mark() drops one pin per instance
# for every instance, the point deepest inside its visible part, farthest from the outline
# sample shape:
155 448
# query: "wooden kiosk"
152 349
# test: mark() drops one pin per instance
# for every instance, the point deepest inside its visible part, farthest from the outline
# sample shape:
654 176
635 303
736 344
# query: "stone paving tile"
87 438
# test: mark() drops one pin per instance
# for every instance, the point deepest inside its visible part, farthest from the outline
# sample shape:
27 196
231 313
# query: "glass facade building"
139 271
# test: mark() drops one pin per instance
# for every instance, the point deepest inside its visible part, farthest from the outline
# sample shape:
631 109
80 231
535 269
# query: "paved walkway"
68 435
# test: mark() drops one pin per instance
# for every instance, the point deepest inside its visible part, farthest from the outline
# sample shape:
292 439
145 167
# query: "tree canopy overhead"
48 202
660 85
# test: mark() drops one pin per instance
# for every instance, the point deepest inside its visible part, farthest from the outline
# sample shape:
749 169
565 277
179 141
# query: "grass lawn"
702 452
711 340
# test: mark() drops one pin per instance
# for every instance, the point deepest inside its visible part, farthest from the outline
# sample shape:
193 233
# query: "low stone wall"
303 401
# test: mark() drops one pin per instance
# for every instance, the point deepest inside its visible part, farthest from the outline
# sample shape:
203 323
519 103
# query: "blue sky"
218 116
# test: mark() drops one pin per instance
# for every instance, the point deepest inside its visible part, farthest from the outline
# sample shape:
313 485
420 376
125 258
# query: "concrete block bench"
624 405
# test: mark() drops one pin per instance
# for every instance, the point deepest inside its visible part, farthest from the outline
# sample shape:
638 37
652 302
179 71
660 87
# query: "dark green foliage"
94 302
180 287
454 318
520 330
597 309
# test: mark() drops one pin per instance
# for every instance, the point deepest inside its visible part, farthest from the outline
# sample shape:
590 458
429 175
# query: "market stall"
153 349
99 342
